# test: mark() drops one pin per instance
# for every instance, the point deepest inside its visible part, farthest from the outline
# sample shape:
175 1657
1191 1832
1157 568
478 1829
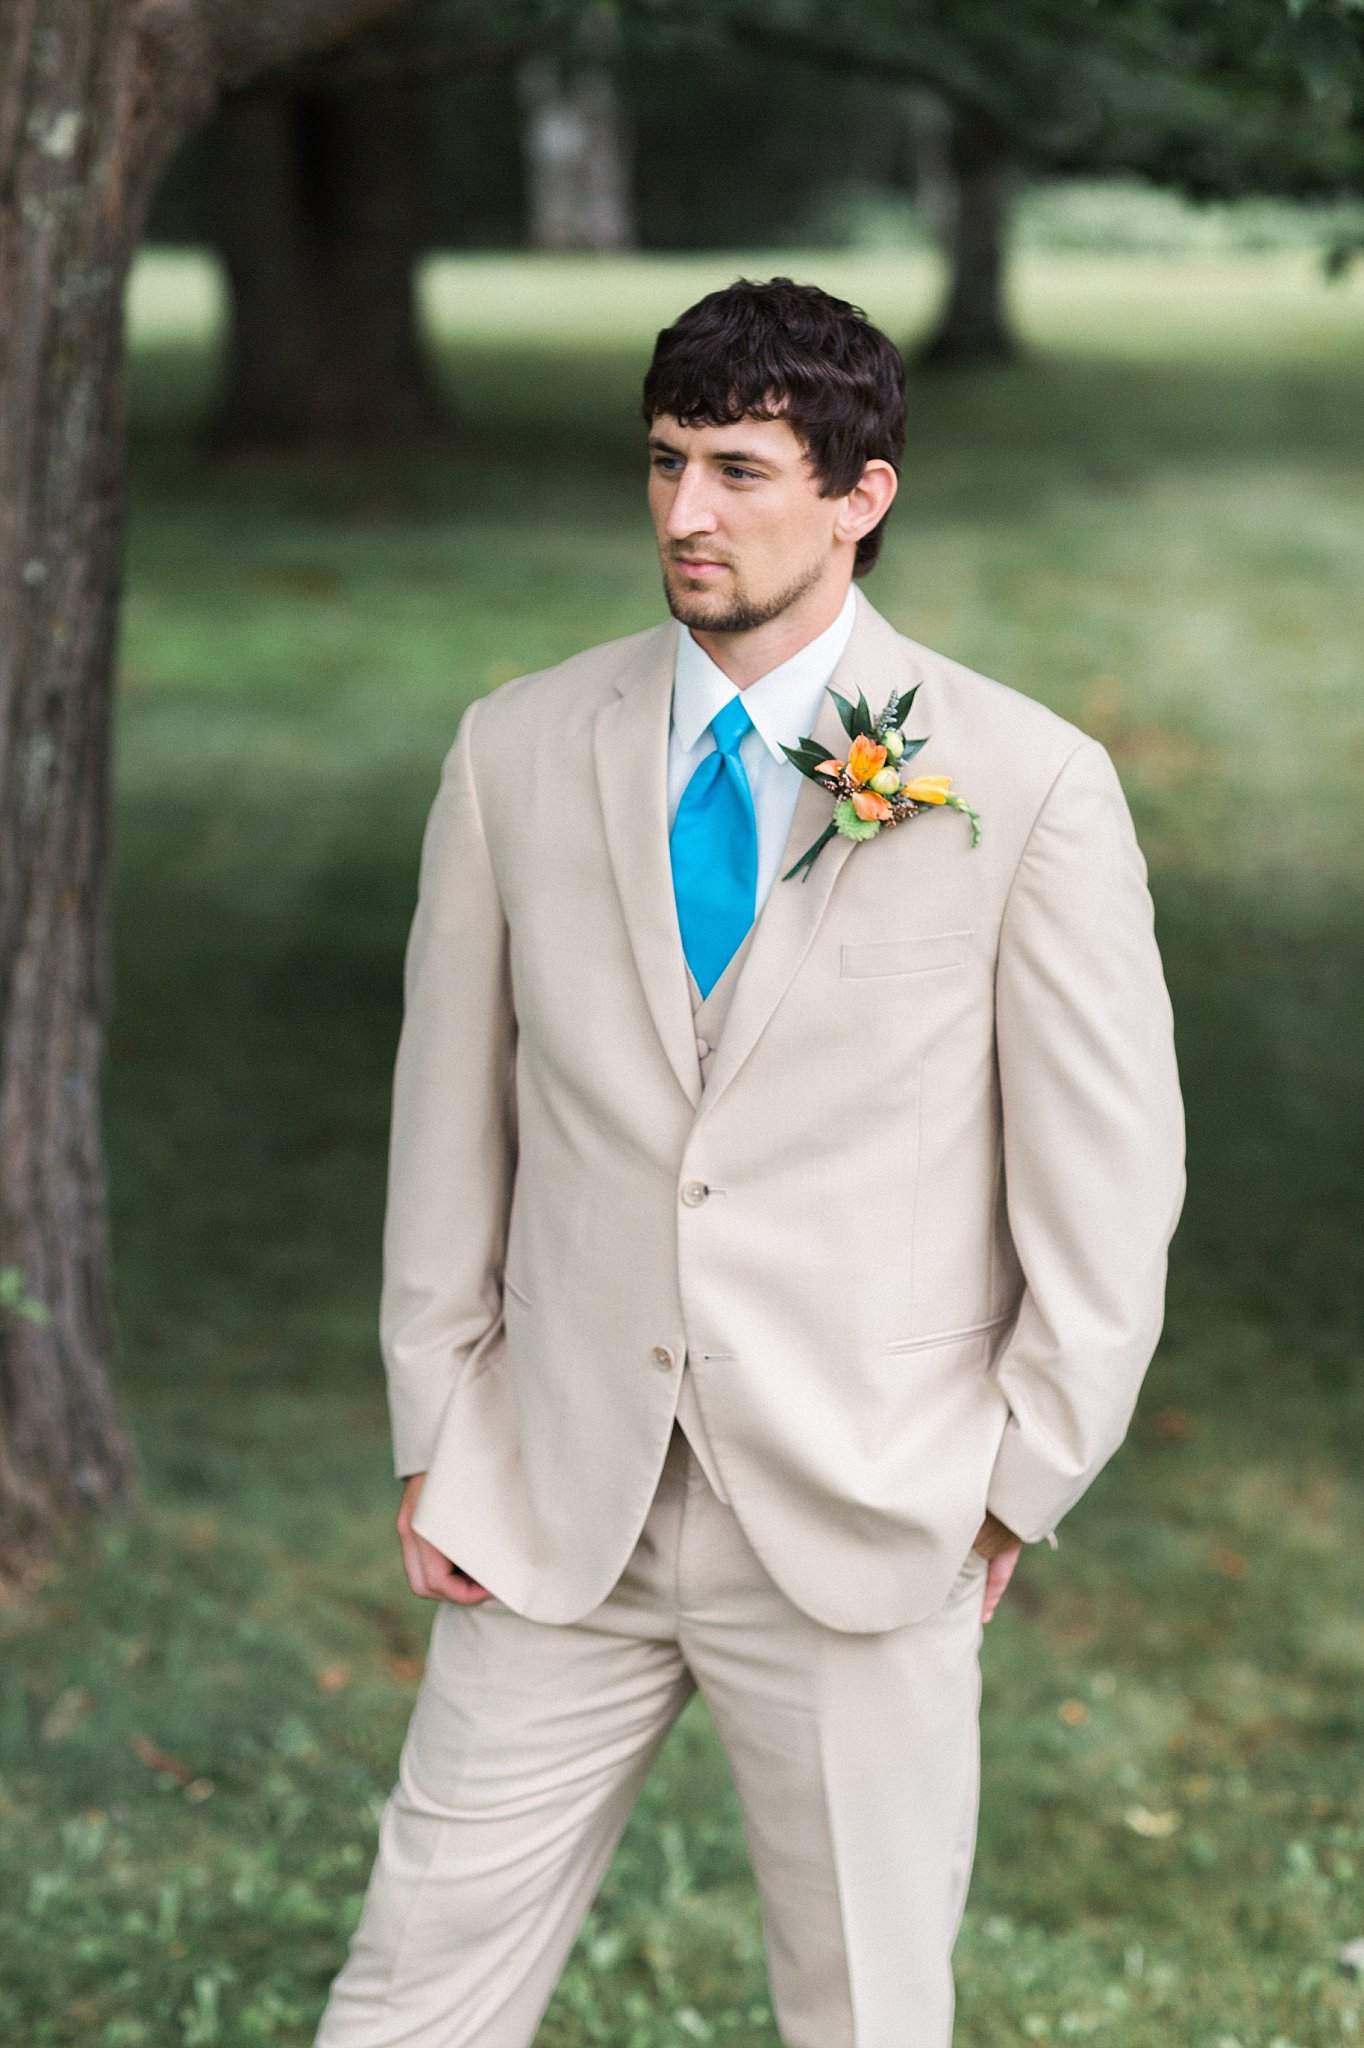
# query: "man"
769 1254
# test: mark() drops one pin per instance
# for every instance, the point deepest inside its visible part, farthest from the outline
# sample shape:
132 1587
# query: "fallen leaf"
1073 1712
1171 1424
332 1678
161 1760
1231 1564
1154 1826
199 1789
406 1669
65 1714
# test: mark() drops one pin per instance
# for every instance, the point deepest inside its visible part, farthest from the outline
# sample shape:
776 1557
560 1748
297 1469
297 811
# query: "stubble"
738 613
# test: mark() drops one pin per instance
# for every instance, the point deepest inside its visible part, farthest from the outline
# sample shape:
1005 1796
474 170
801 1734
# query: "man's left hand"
997 1542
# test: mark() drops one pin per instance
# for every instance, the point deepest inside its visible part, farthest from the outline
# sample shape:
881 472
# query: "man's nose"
690 511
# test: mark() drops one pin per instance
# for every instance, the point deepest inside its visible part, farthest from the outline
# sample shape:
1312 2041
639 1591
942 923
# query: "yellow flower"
927 789
865 757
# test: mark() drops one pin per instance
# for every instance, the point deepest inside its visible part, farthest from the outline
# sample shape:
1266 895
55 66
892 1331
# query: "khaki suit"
903 1228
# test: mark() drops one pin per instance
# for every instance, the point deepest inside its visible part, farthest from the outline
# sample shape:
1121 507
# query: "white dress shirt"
783 705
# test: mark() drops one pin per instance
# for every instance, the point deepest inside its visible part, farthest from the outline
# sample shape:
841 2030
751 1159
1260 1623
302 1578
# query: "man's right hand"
998 1543
430 1573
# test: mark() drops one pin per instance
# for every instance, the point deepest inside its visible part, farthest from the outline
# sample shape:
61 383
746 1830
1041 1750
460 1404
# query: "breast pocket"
930 955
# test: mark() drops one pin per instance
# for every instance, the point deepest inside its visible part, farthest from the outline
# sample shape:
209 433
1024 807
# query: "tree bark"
94 95
318 204
964 178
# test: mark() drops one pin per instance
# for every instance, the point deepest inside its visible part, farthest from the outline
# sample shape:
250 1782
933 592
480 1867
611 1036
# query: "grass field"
1155 526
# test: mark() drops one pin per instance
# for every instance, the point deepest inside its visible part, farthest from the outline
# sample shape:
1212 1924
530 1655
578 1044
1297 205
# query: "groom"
768 1255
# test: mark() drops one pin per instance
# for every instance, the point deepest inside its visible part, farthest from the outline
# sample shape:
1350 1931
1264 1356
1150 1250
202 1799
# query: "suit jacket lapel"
630 747
876 661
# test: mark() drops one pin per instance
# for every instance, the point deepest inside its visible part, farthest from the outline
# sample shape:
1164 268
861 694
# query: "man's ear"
868 502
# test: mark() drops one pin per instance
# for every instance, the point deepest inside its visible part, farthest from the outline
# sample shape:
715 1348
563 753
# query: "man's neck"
746 657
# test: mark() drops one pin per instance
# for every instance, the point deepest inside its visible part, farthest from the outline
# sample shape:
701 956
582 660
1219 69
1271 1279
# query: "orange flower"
927 789
829 768
865 758
868 805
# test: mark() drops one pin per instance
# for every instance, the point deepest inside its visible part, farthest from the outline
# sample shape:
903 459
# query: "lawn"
1154 524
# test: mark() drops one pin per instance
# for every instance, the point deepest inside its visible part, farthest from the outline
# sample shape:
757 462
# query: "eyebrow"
714 454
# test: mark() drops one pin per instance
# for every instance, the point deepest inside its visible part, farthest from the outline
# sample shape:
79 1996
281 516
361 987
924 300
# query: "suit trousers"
855 1758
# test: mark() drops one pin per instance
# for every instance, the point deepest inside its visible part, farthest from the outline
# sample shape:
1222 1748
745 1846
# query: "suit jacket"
910 1238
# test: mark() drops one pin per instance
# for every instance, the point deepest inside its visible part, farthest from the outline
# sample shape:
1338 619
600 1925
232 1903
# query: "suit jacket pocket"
968 1333
905 956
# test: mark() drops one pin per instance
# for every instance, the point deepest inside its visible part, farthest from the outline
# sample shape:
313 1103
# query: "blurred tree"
965 171
750 148
93 99
317 188
316 199
576 154
1241 96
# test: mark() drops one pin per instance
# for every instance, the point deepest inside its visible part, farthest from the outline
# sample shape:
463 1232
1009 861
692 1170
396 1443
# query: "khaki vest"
708 1016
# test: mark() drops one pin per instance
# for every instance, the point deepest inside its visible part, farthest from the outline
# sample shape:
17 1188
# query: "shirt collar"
783 704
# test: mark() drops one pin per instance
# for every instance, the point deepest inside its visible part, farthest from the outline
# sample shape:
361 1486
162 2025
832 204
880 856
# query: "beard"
737 613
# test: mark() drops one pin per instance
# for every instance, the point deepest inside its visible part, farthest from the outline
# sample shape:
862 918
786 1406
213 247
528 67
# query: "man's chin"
730 611
706 610
717 611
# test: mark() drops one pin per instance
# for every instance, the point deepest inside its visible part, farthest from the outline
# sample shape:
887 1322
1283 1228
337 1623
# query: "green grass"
1153 525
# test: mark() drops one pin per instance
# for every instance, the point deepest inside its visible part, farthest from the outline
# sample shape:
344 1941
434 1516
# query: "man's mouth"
701 565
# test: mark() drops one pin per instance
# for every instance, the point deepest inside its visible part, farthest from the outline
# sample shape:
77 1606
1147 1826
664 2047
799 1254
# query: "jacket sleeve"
452 1148
1093 1142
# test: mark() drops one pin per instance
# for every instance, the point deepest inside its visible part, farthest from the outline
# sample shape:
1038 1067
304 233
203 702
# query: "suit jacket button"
662 1358
702 1048
694 1193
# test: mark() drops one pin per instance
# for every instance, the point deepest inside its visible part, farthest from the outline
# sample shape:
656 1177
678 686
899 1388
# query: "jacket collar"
783 704
630 741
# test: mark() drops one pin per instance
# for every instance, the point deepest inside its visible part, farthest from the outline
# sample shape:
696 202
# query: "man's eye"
746 475
665 462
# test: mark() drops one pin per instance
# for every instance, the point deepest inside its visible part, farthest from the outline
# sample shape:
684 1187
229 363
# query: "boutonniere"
867 788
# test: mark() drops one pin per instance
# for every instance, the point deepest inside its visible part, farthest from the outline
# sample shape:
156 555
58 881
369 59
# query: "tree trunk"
254 220
93 98
318 202
574 142
74 112
964 174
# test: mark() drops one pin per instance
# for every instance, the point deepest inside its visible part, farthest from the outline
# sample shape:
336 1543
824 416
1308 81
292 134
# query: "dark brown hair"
791 351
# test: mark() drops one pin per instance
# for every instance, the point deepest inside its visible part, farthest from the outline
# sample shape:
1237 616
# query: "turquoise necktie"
714 848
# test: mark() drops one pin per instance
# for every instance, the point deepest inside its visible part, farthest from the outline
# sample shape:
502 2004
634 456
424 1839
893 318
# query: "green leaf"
845 712
856 718
850 825
913 747
807 756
